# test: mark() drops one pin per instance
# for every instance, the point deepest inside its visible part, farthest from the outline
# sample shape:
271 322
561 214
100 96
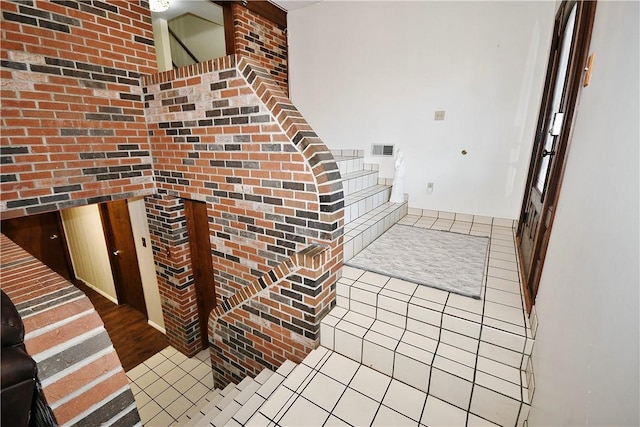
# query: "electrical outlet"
429 187
439 115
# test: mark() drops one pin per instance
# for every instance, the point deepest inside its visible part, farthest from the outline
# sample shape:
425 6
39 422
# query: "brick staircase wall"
81 374
267 323
73 125
262 40
224 132
85 120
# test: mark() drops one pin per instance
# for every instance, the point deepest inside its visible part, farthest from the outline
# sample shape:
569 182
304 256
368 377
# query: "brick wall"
169 241
73 128
79 127
271 320
81 374
224 132
260 39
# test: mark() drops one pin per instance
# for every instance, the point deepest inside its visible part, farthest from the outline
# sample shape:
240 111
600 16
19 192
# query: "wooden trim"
268 11
201 263
67 253
229 32
585 16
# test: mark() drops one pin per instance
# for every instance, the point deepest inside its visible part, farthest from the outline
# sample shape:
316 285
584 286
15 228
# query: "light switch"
439 115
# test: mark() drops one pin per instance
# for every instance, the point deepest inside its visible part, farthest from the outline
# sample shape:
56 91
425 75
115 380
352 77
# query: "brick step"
371 225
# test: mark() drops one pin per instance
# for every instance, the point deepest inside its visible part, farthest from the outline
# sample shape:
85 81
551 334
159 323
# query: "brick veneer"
81 374
224 132
73 128
168 231
261 40
80 126
262 326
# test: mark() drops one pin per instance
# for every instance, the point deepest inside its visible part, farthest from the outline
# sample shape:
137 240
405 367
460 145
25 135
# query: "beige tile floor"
168 384
472 354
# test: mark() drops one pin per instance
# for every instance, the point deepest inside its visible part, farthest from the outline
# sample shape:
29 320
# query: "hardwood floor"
132 337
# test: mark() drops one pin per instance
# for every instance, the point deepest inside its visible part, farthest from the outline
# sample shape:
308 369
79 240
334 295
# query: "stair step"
368 227
358 180
349 164
363 201
281 396
198 411
211 407
415 333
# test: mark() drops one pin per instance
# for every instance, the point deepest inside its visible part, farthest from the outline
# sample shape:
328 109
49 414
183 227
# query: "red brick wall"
80 372
168 231
271 320
73 127
260 39
224 132
79 127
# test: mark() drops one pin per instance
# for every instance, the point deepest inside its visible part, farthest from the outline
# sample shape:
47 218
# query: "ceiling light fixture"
159 5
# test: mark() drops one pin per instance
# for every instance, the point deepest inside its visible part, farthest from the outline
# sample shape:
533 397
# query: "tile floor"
332 390
169 384
453 360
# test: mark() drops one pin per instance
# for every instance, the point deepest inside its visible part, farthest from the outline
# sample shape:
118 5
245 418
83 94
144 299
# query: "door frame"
31 239
201 263
585 15
129 292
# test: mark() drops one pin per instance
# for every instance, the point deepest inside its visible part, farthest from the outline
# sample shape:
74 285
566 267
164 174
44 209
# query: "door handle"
546 153
53 237
116 252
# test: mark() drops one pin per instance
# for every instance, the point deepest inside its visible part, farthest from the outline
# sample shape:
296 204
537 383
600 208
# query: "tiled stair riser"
367 212
238 403
438 342
367 228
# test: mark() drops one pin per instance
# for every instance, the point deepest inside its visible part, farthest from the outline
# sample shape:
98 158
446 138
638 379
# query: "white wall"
144 252
375 72
205 39
88 249
162 44
586 354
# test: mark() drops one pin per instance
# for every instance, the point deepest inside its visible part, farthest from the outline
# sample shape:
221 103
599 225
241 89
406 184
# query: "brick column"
168 229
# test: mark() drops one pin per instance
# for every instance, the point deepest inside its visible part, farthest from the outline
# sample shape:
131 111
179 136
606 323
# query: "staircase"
367 210
392 352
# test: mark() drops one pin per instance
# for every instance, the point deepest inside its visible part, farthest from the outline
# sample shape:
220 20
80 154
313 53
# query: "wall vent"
382 150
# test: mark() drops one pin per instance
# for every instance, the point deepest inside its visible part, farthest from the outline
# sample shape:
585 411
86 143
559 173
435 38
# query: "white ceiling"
212 12
290 5
202 8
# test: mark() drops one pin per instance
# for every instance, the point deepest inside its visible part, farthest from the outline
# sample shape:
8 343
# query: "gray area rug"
449 261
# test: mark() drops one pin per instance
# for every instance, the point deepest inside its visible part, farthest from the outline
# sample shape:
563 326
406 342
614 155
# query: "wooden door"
122 254
567 60
42 235
201 262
